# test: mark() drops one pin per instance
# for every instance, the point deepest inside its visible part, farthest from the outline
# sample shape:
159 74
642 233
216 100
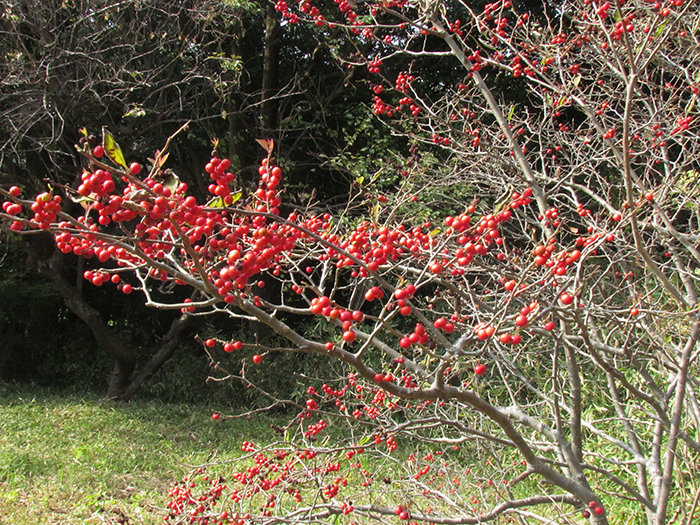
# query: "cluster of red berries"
382 108
314 429
218 172
593 506
45 208
14 209
283 8
402 513
199 507
270 177
99 183
418 336
521 199
346 8
437 139
374 66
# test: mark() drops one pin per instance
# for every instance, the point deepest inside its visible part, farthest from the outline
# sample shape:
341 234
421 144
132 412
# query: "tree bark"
123 355
165 352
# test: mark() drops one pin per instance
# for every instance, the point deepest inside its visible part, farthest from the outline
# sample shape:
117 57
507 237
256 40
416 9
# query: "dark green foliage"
42 341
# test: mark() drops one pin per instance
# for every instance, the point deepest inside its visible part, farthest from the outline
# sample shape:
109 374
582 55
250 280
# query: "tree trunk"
120 386
165 352
268 102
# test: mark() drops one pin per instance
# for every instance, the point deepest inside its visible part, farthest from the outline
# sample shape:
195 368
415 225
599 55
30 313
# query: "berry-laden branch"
525 345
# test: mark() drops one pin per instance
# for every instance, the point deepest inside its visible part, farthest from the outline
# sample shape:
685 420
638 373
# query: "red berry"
378 378
210 343
257 359
480 369
98 151
135 168
15 191
566 298
215 416
349 336
436 268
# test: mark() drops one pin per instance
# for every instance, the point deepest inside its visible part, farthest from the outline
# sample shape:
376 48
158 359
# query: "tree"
552 319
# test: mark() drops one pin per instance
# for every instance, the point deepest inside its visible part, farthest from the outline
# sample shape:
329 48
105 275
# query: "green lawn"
68 460
82 460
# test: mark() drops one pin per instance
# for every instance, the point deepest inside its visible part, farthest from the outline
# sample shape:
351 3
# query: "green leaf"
84 201
112 149
169 179
511 113
660 29
216 202
236 197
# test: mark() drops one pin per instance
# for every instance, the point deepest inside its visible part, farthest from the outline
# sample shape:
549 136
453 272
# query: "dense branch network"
553 319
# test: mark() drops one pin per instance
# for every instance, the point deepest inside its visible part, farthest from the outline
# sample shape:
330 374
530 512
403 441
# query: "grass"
71 459
83 460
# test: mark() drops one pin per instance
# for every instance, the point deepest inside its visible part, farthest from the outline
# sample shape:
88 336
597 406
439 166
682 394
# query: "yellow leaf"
112 149
236 197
